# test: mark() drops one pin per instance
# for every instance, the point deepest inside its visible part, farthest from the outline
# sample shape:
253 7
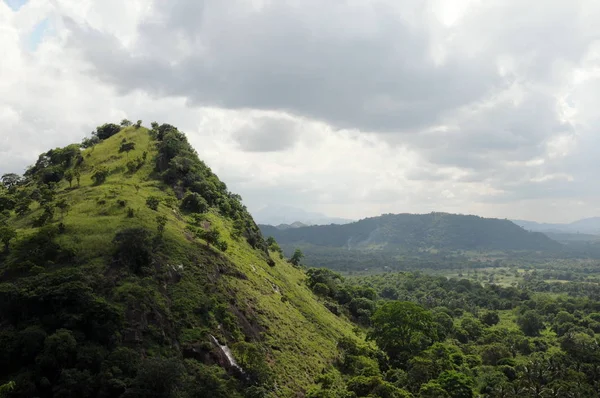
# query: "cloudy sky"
351 108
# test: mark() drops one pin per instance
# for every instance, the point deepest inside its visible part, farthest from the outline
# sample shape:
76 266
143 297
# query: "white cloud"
349 108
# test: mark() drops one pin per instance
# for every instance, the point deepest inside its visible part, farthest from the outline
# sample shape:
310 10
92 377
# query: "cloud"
347 108
267 134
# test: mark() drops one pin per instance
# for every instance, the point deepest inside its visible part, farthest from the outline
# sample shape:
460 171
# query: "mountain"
297 224
585 226
282 215
439 231
129 270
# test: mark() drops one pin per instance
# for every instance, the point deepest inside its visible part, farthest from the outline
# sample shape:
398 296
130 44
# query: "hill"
589 226
130 270
410 232
275 215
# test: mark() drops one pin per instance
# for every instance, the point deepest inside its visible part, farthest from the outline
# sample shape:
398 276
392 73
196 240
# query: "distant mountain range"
585 226
292 217
433 231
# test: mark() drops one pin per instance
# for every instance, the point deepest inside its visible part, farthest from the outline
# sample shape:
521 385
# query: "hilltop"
131 270
440 231
401 241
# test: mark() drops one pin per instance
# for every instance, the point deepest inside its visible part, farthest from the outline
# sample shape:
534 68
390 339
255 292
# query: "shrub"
99 175
152 202
194 203
107 130
133 248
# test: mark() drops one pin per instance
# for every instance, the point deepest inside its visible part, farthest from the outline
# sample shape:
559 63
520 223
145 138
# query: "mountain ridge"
590 225
418 231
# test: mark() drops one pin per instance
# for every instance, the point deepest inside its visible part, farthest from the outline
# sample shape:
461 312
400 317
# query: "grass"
272 305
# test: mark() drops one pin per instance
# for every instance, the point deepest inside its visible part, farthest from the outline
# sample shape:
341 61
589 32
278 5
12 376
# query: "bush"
490 318
133 248
99 175
107 130
194 203
152 202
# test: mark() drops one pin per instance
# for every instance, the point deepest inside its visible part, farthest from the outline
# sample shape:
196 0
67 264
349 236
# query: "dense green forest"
440 337
128 269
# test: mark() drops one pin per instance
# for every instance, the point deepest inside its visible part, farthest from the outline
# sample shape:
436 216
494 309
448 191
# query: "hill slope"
135 279
584 226
417 232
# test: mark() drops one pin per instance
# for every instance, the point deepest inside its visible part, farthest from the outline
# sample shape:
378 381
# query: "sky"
350 108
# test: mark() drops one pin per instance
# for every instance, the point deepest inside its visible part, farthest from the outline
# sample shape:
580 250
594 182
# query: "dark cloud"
366 68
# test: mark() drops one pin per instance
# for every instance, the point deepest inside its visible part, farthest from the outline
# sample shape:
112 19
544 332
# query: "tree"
77 175
11 180
6 388
7 233
432 389
457 385
212 236
133 248
99 175
138 124
161 222
22 206
402 329
296 257
127 147
107 130
69 175
490 318
194 203
531 323
126 123
63 206
152 202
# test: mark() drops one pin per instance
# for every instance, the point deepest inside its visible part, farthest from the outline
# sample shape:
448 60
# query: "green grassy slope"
189 291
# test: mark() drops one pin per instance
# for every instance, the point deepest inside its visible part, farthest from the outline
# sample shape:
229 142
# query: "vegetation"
453 338
142 279
101 295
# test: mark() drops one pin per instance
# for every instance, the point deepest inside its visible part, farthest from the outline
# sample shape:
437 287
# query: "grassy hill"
131 279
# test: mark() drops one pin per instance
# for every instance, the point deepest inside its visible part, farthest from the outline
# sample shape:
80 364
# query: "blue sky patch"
37 34
15 4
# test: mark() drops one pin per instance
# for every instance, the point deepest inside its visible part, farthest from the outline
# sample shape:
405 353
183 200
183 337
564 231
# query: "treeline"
440 337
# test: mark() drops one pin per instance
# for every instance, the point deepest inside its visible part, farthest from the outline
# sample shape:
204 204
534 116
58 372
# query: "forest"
440 337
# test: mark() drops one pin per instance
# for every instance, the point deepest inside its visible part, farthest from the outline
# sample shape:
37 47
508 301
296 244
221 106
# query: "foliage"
99 175
7 233
402 329
194 203
296 257
152 202
127 147
133 248
531 323
107 130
